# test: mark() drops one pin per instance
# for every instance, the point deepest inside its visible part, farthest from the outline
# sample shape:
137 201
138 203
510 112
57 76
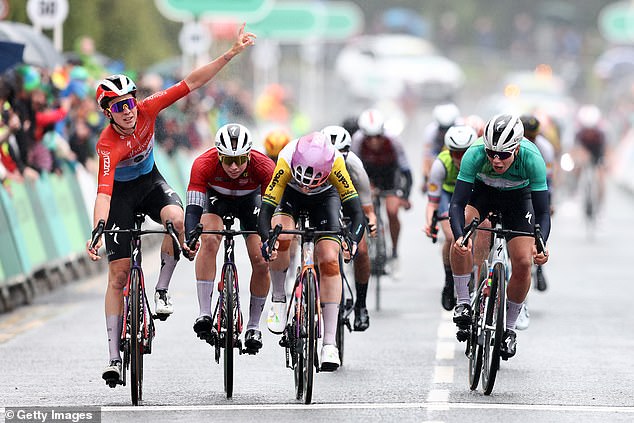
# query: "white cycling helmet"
446 114
503 132
459 138
588 116
371 122
113 86
338 136
233 139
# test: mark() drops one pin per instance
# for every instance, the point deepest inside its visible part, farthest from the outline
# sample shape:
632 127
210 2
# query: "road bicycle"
377 249
488 303
227 321
303 314
138 320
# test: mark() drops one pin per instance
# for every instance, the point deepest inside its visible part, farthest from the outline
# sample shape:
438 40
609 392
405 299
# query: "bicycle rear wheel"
229 322
495 328
137 329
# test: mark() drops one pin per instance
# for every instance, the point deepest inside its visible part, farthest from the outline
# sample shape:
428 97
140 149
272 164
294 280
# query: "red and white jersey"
126 157
207 172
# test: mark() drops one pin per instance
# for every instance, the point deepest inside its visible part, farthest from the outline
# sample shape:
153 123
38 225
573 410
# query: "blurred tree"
132 31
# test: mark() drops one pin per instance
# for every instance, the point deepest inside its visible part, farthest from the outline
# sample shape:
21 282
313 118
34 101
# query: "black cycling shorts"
245 208
323 208
146 194
516 206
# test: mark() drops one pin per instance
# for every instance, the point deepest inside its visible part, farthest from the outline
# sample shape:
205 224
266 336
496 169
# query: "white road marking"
443 374
374 406
445 350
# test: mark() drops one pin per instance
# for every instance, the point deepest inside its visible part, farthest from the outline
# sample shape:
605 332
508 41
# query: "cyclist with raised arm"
445 116
387 167
228 179
129 182
311 175
504 173
340 138
532 133
442 181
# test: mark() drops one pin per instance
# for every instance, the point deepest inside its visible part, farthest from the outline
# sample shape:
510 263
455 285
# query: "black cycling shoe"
202 327
253 341
448 300
361 319
541 279
509 344
462 315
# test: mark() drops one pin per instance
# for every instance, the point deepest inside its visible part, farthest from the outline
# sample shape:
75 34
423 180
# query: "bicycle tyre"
498 311
340 337
310 326
297 343
475 344
229 322
379 261
137 329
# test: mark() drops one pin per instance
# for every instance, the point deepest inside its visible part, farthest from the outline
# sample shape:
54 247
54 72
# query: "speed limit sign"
47 13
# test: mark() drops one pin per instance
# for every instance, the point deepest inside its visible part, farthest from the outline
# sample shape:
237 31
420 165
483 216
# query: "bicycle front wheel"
137 329
310 340
495 328
475 348
229 322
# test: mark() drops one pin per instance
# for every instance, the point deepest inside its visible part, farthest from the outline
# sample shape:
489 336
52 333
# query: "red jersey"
207 172
126 157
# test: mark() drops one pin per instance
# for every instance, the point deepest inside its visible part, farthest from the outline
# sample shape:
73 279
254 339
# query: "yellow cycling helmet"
275 141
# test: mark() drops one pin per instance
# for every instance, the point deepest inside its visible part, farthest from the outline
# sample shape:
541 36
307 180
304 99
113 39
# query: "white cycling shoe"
276 319
329 358
524 319
163 303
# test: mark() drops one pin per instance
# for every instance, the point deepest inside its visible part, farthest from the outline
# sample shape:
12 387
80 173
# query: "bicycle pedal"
160 316
249 351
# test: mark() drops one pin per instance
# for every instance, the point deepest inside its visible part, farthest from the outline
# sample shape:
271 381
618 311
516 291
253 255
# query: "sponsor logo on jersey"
342 179
106 162
276 179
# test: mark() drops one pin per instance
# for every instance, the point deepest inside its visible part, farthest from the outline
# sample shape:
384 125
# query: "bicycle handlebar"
275 232
537 234
169 230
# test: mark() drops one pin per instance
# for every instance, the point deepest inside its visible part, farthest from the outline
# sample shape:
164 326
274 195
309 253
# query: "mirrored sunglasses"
502 155
229 160
120 106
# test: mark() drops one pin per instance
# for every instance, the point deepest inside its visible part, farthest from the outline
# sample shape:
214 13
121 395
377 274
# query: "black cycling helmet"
531 126
350 124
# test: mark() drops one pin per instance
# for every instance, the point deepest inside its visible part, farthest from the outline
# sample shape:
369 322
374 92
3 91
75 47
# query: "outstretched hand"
244 40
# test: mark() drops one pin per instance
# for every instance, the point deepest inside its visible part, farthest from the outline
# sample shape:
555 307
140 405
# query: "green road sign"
297 21
343 20
616 22
240 10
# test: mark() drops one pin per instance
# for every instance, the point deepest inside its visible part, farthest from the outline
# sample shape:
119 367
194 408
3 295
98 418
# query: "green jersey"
528 168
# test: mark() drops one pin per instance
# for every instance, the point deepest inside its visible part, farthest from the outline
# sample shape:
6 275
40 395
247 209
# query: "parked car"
389 65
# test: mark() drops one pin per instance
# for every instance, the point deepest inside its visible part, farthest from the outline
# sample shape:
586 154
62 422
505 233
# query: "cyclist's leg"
118 271
448 298
327 256
206 261
162 203
361 278
278 268
520 254
260 283
392 206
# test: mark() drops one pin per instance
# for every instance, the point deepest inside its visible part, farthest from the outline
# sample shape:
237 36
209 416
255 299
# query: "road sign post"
49 14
